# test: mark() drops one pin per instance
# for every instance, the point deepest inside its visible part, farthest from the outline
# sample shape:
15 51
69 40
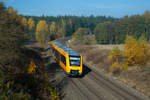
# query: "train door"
59 58
63 60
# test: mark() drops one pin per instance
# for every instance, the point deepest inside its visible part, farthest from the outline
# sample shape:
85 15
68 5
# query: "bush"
115 68
115 55
124 66
32 67
136 51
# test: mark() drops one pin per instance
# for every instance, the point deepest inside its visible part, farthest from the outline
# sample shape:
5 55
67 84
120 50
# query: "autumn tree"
57 31
31 24
42 32
136 51
24 22
11 10
80 33
63 28
53 31
115 55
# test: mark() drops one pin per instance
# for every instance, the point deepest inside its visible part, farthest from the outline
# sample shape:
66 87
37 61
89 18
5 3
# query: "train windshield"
74 60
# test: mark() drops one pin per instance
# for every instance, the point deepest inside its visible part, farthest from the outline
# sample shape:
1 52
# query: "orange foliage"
32 67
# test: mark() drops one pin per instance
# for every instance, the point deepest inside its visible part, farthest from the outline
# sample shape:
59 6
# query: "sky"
114 8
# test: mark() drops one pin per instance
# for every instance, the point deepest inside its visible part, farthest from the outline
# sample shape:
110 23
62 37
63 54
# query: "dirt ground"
137 78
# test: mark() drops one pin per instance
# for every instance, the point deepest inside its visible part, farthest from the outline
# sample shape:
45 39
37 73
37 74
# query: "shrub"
115 67
54 94
124 66
136 51
32 67
115 55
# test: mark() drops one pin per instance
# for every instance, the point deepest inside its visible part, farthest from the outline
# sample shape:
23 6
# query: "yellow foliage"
115 66
136 52
31 24
32 68
125 66
24 22
115 54
54 94
41 31
81 33
45 75
53 28
11 10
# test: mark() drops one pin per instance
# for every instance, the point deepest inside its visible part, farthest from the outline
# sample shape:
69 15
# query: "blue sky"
114 8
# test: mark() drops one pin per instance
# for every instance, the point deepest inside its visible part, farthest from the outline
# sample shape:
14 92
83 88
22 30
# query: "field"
97 55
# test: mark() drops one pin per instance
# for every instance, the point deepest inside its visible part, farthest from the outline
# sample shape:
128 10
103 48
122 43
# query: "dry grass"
137 78
96 55
134 77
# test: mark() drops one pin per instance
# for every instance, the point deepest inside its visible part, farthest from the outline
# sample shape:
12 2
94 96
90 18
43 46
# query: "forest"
116 32
72 23
107 30
63 26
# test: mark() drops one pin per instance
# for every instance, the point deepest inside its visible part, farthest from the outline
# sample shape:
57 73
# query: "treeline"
115 32
107 30
62 26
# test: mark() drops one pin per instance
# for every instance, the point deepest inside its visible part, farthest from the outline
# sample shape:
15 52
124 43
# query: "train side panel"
58 59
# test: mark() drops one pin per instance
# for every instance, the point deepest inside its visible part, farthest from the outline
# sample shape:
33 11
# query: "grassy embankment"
135 77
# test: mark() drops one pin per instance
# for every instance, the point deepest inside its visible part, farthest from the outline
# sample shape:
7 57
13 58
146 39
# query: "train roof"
66 49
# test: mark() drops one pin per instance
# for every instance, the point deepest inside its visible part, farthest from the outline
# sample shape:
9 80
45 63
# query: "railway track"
90 91
120 92
76 85
95 86
84 93
115 90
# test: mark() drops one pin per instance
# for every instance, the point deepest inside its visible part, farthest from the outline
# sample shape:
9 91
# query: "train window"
56 53
63 59
53 50
74 60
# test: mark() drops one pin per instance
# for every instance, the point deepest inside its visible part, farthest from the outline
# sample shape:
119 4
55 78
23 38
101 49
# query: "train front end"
75 65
